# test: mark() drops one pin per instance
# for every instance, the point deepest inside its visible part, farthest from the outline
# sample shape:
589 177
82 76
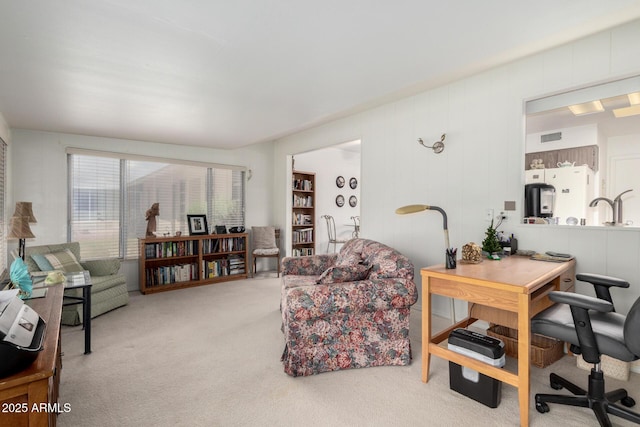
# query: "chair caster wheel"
542 407
628 401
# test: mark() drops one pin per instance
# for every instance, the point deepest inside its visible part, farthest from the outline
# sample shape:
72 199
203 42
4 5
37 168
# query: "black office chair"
600 330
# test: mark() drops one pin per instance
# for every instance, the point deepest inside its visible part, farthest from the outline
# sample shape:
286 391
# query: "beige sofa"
108 290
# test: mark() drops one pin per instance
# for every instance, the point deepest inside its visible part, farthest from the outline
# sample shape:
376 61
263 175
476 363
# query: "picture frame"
353 183
353 201
221 229
197 225
340 181
340 200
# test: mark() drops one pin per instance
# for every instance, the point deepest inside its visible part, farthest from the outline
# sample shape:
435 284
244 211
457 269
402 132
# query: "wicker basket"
611 367
544 351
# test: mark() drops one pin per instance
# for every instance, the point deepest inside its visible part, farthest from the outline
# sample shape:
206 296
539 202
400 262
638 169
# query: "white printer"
21 333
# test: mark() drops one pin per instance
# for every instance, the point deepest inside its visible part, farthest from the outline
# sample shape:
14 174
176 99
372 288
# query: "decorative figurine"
150 216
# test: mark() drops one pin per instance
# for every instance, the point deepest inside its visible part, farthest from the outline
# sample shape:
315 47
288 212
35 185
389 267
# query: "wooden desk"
514 284
38 384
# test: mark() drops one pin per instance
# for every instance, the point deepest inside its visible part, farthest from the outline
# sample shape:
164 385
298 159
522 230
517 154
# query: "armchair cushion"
102 267
64 260
341 274
264 237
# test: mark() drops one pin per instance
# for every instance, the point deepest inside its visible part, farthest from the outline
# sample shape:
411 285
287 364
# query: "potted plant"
491 244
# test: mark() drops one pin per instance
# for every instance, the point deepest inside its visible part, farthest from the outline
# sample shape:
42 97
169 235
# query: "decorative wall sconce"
437 147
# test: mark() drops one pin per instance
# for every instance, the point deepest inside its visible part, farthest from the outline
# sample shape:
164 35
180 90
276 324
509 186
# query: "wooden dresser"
30 397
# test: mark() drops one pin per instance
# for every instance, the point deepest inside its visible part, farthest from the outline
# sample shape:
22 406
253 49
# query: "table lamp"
19 225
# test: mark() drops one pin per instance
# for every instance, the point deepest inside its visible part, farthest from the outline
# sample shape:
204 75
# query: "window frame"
123 236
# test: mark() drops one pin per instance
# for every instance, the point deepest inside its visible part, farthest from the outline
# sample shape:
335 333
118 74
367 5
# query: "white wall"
483 162
328 164
39 165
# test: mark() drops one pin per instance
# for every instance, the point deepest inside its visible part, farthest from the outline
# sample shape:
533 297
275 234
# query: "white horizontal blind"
179 190
110 198
94 217
227 199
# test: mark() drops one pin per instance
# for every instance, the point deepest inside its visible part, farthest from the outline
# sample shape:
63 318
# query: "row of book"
302 184
229 244
166 275
171 249
223 267
302 219
302 252
302 236
302 201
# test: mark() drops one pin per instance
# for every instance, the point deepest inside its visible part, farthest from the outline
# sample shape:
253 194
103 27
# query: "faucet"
595 201
617 207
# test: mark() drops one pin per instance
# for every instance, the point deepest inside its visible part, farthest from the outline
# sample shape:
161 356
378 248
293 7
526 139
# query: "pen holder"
450 258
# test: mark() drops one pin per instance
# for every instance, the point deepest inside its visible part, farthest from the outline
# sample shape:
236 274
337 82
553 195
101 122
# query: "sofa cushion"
341 274
64 260
351 252
42 262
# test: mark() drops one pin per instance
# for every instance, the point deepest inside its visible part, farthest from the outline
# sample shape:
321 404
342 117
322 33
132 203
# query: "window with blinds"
109 198
3 225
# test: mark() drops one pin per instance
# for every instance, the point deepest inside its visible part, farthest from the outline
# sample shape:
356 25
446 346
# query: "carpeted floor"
210 356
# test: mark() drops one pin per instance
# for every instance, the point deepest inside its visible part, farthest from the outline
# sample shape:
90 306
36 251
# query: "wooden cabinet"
180 262
30 397
587 155
303 229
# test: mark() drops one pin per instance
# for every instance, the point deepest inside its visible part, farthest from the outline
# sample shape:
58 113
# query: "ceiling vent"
550 137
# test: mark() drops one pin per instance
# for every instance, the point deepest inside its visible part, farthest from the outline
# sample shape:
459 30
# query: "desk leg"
524 357
426 328
86 318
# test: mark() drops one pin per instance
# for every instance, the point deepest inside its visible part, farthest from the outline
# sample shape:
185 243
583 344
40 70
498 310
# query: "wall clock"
340 181
353 183
340 200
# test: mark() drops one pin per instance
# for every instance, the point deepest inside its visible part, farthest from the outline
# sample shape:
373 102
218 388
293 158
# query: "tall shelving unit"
172 263
304 213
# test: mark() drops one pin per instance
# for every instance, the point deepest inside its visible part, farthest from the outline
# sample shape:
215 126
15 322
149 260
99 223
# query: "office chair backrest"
631 328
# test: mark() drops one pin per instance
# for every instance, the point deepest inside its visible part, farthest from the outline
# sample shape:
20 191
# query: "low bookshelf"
178 262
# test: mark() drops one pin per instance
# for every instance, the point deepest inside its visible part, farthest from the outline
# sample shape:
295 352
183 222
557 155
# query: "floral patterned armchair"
347 310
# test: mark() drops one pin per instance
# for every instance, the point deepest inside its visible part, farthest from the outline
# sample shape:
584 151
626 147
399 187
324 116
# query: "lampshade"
25 209
19 228
409 209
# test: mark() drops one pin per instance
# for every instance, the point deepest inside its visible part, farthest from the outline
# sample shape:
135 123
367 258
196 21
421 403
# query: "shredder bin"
469 382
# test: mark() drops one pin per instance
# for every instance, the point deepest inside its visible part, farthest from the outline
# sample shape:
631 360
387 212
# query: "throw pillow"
42 263
65 261
264 237
342 274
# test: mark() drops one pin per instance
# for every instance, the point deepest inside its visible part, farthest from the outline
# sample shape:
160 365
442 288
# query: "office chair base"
600 402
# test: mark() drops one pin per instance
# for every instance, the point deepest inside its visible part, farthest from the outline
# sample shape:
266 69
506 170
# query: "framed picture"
197 225
353 183
221 229
353 201
340 181
340 201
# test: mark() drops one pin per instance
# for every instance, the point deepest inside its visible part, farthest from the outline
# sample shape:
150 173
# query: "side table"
81 280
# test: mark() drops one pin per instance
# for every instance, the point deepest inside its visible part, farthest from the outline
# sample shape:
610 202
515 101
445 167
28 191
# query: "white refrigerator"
575 188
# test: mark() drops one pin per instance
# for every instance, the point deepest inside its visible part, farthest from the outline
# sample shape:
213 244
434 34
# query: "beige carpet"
210 356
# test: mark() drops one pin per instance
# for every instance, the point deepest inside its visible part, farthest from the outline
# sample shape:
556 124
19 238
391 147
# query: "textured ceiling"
227 74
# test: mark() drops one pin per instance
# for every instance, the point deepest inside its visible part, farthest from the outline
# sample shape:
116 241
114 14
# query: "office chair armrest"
581 301
601 284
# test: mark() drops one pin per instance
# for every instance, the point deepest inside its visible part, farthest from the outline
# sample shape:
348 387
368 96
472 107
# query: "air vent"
550 137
